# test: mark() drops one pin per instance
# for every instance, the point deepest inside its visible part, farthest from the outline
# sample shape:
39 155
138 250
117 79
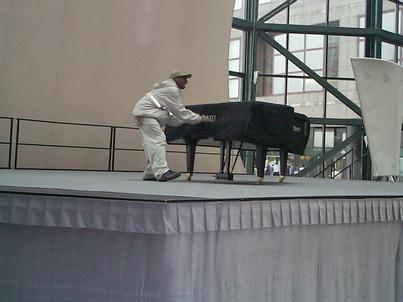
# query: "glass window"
388 21
234 65
279 64
388 52
234 48
314 59
233 88
295 85
329 138
291 66
296 42
278 85
314 41
238 4
234 54
312 85
309 49
281 39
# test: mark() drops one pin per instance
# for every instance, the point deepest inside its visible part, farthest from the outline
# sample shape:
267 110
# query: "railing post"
110 149
16 144
10 146
352 163
112 143
113 148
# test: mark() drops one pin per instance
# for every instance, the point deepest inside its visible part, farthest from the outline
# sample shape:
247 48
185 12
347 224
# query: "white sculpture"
380 92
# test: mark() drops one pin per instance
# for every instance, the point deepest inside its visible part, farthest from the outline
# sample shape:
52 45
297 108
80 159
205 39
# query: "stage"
203 187
107 236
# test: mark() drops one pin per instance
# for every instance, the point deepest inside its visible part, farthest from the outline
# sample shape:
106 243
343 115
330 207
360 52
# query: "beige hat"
179 73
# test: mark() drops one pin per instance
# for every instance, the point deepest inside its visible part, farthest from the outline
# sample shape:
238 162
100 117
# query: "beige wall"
90 60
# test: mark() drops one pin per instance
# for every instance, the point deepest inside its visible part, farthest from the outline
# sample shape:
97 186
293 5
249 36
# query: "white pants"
154 143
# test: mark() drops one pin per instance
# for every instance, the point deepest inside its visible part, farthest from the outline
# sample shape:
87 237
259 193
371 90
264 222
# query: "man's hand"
208 118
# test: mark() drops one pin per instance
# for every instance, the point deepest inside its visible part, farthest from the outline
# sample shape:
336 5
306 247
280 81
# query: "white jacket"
167 94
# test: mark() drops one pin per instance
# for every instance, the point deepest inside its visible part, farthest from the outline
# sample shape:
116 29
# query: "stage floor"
129 186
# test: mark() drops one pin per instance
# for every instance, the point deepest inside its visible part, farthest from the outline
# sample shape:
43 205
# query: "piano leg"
261 153
230 176
222 156
283 164
226 148
190 159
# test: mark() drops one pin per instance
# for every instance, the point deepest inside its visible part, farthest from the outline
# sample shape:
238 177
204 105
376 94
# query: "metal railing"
17 126
111 147
335 173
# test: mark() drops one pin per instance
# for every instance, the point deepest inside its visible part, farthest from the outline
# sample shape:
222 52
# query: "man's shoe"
169 175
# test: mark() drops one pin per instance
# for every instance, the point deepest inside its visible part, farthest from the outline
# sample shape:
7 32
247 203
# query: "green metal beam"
392 38
276 10
385 36
331 153
346 101
378 26
396 1
316 29
249 89
241 24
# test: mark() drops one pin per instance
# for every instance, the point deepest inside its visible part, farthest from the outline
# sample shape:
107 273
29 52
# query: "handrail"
352 164
334 162
315 163
111 145
73 123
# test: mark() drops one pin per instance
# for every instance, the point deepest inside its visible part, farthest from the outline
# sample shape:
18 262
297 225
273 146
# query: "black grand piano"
256 126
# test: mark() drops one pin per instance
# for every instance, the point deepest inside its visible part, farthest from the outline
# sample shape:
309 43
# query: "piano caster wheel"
188 177
259 180
281 179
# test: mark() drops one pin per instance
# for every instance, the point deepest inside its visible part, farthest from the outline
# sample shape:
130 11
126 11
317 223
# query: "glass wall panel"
308 103
281 39
314 59
270 89
235 63
297 42
294 68
389 18
235 88
278 86
347 13
239 9
269 60
268 6
295 85
308 12
314 41
312 85
334 107
341 164
236 47
341 49
388 52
